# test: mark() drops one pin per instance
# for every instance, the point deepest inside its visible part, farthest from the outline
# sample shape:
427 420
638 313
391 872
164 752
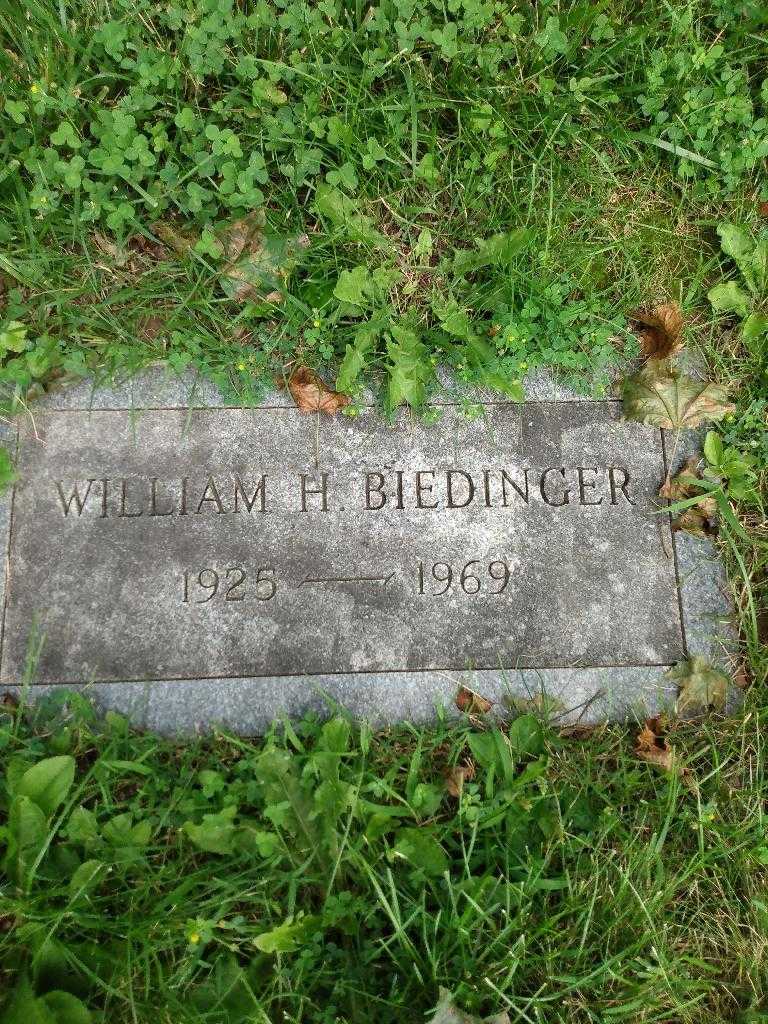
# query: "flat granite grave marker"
193 566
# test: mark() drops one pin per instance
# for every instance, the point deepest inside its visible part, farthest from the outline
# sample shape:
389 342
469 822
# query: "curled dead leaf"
700 519
312 394
651 746
659 397
472 703
661 330
457 776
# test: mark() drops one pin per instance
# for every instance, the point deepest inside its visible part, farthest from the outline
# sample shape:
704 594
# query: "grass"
489 186
568 881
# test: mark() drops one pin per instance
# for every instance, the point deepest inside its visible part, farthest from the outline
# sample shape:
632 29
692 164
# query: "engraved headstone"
201 565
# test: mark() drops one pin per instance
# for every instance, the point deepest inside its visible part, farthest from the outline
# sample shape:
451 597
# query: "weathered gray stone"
591 614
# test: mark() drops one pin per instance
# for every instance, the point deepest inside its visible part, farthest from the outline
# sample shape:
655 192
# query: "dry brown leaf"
651 746
472 703
700 519
457 776
149 327
763 209
578 732
312 394
662 328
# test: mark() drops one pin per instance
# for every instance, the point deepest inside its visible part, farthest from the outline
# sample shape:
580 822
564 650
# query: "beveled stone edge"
249 706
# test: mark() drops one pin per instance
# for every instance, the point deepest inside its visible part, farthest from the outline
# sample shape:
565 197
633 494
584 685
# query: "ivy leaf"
701 687
355 356
409 369
729 297
671 401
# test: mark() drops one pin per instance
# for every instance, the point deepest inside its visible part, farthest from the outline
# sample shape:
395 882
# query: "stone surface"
592 612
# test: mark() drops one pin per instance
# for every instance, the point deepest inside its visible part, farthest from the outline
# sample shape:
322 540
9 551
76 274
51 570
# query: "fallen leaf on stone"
671 401
651 746
701 687
700 519
472 703
662 328
447 1012
457 776
312 394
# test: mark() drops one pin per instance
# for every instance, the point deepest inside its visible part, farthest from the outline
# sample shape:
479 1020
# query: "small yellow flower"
34 88
316 323
194 938
241 366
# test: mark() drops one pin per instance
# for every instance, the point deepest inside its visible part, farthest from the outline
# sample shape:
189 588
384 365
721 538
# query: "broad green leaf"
13 337
66 1008
87 877
701 686
729 297
754 332
215 833
48 782
526 736
354 286
713 448
671 401
738 244
342 212
25 1008
121 833
422 850
82 827
27 836
492 749
287 937
335 735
